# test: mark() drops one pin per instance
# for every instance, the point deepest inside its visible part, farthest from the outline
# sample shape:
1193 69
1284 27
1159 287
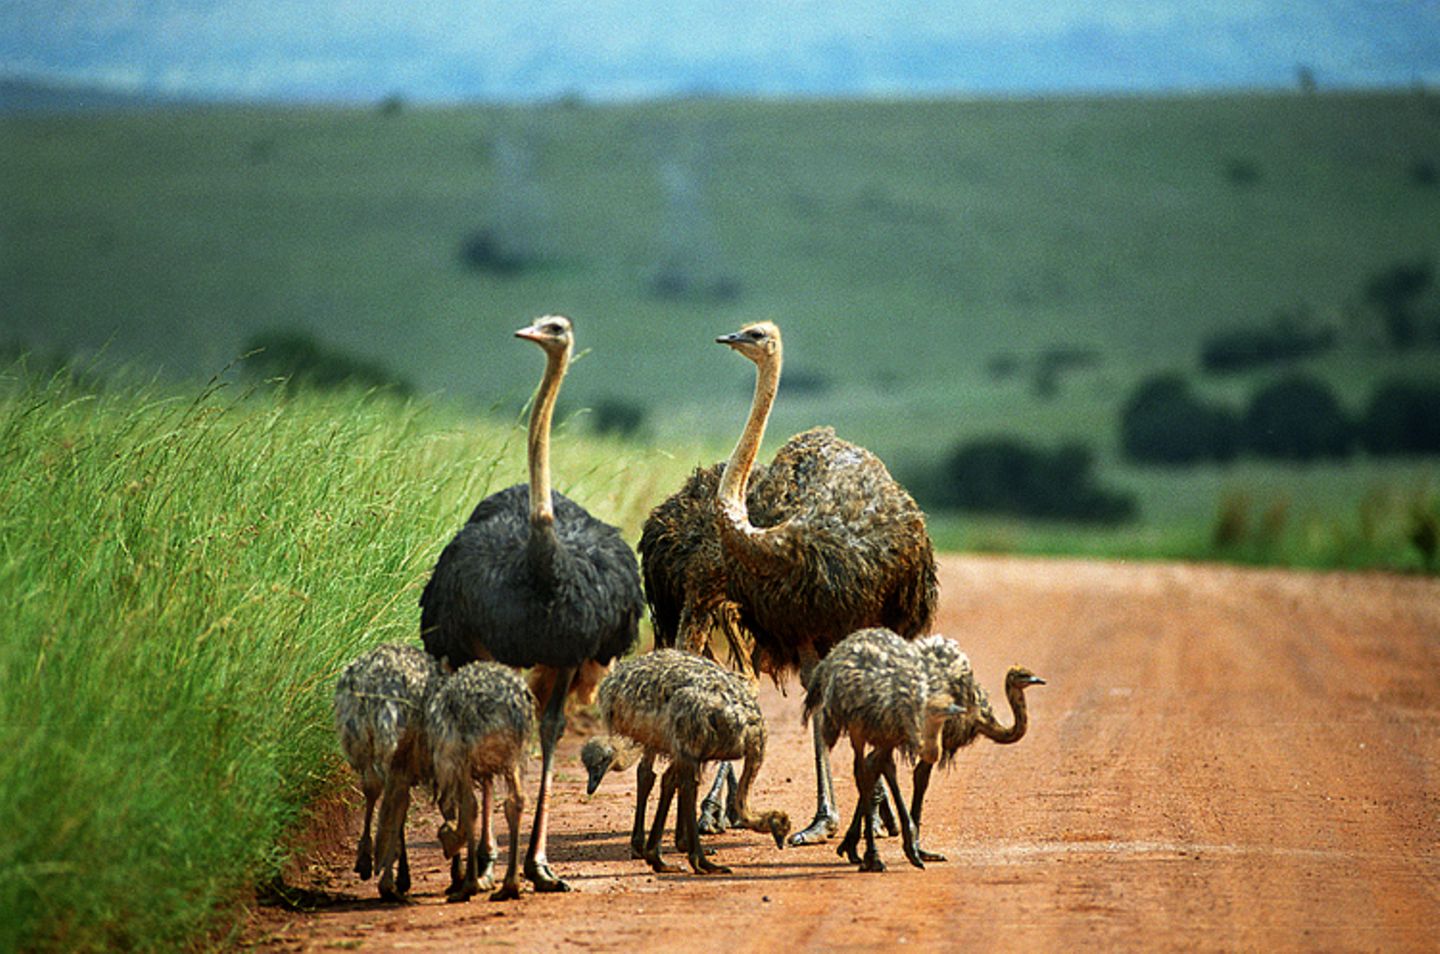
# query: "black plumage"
498 593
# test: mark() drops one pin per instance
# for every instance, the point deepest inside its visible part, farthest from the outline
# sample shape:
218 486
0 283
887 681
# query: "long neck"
731 495
543 544
1016 731
542 512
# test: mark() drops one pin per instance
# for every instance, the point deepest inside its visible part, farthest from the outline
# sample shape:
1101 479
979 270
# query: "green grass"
186 576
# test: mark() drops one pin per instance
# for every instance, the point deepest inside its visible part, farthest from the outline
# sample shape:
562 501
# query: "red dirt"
1223 759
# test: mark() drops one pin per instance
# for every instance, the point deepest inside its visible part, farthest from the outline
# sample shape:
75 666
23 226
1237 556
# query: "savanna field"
189 564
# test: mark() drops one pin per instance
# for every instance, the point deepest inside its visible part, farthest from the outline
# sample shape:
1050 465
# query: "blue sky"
615 49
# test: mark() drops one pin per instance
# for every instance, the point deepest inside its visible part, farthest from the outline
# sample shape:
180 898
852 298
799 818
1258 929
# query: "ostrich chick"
920 698
690 710
379 718
945 662
478 723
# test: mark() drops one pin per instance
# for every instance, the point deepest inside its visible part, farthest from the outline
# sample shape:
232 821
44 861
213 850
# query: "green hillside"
912 251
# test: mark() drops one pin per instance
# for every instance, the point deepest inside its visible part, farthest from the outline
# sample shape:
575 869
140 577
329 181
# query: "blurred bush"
1298 418
1004 475
1163 422
619 416
1397 293
1402 418
1288 338
305 361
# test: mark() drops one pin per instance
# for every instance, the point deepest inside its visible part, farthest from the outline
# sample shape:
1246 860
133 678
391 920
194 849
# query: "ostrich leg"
907 829
657 831
644 783
390 839
514 805
485 850
552 725
827 818
364 851
685 819
871 861
715 813
917 801
847 847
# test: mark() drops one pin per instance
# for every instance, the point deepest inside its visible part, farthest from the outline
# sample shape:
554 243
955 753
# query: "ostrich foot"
704 867
712 817
364 860
818 831
389 891
914 856
462 892
872 862
545 881
929 855
509 891
847 849
659 865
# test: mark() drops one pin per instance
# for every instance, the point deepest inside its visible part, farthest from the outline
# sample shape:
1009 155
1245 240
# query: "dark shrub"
1164 423
484 251
1423 172
1242 172
1006 476
1395 293
306 362
618 416
1298 418
1402 419
1286 339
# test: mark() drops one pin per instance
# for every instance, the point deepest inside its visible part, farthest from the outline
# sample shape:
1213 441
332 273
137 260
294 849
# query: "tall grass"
185 578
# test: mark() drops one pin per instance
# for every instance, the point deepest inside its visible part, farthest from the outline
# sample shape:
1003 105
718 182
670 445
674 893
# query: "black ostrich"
533 580
788 561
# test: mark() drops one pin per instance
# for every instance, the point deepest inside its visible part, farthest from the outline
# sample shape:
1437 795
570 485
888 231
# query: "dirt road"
1223 759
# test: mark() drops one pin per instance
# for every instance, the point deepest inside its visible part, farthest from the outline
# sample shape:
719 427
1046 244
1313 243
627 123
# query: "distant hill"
26 95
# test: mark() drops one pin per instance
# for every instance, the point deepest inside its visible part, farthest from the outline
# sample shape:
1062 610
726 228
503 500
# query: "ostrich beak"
1035 681
729 339
529 333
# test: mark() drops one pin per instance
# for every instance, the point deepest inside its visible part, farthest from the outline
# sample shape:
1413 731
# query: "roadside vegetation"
186 575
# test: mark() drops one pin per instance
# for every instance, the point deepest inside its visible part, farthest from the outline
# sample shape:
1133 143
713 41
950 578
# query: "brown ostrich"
691 711
534 581
919 698
379 718
821 544
478 723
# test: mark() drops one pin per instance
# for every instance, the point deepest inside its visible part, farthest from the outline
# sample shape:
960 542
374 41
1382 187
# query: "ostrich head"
759 342
552 332
597 756
1019 678
778 824
601 756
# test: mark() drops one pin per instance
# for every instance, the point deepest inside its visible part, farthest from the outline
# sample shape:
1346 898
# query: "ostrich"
977 718
920 698
690 710
379 718
533 580
478 724
828 543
